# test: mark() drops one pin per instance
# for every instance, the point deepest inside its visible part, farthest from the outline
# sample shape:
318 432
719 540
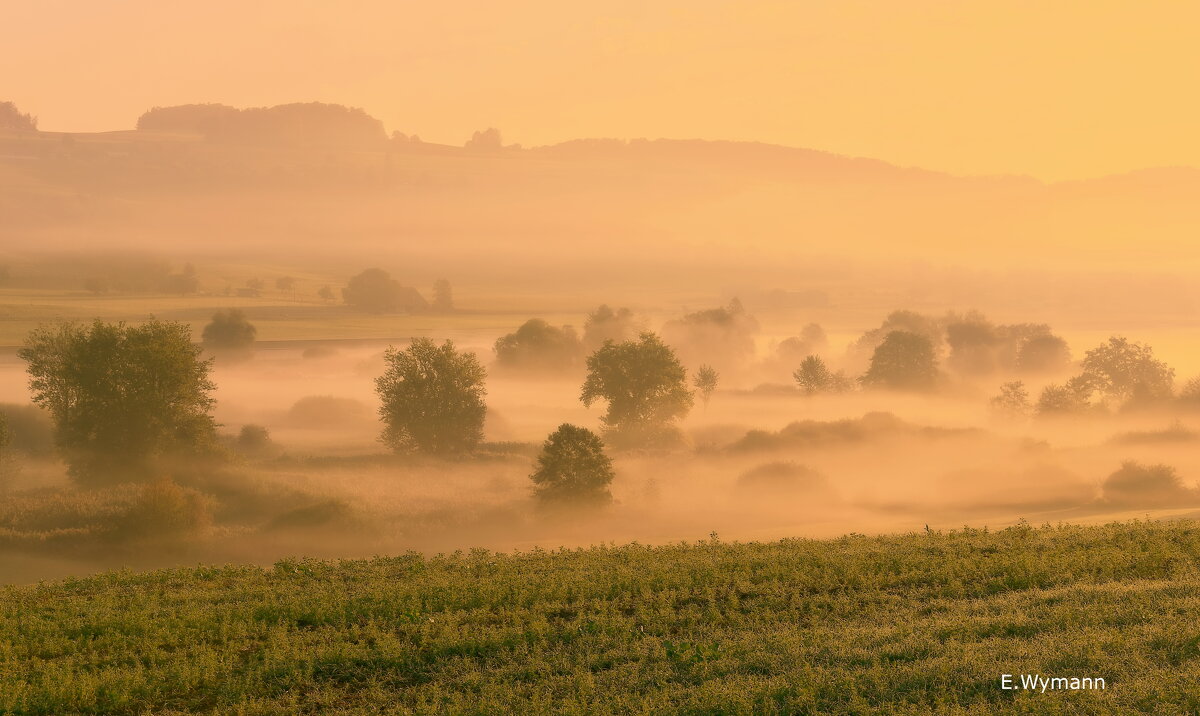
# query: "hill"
917 623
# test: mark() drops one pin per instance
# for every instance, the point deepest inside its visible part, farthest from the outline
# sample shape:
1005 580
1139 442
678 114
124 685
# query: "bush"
785 477
164 509
327 411
375 291
229 332
539 346
254 440
1137 485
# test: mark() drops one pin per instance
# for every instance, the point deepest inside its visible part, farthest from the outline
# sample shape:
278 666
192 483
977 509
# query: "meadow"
916 623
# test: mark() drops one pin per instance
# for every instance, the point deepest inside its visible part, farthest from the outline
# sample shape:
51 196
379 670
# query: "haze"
1058 89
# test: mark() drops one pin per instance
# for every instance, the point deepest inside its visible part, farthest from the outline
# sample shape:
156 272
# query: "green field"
919 623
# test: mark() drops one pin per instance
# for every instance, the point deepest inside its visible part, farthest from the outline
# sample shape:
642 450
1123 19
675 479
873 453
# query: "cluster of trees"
312 124
1118 372
136 275
375 291
12 118
538 346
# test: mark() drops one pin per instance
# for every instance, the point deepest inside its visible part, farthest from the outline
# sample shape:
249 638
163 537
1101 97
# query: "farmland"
916 623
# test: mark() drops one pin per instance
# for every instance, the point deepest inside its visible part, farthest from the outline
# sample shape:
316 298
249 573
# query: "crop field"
919 623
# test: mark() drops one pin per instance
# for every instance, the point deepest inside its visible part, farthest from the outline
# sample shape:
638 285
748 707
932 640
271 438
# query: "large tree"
572 468
229 332
121 396
537 345
1123 371
432 398
374 290
903 361
645 386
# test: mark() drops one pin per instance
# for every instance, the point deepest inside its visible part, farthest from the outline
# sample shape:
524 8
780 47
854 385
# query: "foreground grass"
905 624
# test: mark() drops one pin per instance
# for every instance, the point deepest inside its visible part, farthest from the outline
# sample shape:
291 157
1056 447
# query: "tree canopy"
645 386
537 345
572 468
121 396
375 291
229 331
1123 370
903 361
432 399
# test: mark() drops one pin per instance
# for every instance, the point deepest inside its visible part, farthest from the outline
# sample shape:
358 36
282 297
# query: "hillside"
904 624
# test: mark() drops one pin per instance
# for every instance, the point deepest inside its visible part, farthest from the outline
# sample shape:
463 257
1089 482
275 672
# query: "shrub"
254 440
784 477
163 509
327 411
229 332
1137 485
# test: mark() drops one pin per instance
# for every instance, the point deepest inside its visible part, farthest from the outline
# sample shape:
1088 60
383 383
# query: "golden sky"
1053 88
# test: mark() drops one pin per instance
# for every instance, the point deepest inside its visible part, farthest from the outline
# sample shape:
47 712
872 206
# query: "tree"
1137 485
121 397
432 398
12 118
572 468
486 140
706 382
325 293
229 332
443 297
814 377
1125 371
537 345
255 283
609 324
1072 398
1012 403
286 283
723 337
645 386
903 361
182 283
1043 354
375 291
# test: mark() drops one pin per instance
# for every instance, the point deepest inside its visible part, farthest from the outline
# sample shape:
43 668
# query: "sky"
1056 89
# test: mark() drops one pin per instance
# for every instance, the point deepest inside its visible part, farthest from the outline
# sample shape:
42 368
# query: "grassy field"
919 623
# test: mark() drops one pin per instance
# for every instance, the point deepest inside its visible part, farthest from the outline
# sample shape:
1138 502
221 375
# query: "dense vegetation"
906 624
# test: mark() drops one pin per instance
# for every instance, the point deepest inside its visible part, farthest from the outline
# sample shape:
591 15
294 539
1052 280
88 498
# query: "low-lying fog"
763 462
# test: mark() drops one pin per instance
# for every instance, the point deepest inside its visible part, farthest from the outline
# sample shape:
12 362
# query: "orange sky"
1052 88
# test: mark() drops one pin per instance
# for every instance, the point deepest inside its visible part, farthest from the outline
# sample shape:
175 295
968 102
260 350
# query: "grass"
918 623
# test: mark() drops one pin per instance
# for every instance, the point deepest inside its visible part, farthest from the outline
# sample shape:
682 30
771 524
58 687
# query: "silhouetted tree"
375 291
487 140
285 283
121 396
229 332
706 382
723 337
906 321
182 283
309 124
537 345
645 386
573 469
1072 398
1043 354
443 297
11 118
1126 371
432 398
903 361
814 377
1137 485
1012 403
608 324
325 293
